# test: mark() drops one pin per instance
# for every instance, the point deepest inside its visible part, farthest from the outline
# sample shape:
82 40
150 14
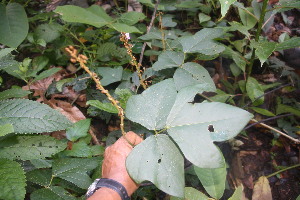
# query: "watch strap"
112 184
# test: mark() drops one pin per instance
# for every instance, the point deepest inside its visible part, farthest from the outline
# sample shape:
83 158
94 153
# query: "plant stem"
258 32
282 170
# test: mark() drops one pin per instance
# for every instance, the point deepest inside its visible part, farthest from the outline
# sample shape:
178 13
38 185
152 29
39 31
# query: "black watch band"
108 183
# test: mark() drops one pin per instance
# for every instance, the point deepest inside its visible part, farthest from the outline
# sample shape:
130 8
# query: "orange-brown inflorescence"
82 59
133 62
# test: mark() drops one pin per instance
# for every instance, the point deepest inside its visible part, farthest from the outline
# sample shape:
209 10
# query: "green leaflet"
168 59
31 117
288 44
12 180
94 15
41 177
52 193
254 90
48 32
75 170
32 147
192 194
13 93
132 17
238 194
213 179
13 24
192 74
109 74
78 130
158 160
202 42
225 4
263 49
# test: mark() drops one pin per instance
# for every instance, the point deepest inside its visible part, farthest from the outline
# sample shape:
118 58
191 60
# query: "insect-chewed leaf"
192 74
32 147
31 117
194 127
158 160
152 107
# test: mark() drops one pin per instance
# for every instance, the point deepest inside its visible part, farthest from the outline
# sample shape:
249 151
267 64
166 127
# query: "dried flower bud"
73 60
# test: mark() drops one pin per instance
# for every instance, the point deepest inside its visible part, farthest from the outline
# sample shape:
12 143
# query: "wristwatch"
109 183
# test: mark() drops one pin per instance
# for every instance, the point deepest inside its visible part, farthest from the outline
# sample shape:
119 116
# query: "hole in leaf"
147 161
211 128
159 161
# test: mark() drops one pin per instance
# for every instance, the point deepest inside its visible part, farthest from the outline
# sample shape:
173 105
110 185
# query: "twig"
82 59
266 94
268 119
282 170
277 131
94 138
148 30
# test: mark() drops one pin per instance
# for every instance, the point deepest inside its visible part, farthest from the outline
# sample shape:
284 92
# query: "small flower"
127 36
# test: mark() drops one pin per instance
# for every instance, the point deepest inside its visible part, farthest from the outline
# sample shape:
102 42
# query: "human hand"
114 167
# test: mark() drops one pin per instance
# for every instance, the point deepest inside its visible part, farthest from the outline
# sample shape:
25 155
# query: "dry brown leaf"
71 112
262 190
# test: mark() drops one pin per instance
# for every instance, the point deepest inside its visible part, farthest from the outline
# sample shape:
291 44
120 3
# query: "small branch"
277 131
266 94
148 30
282 170
94 138
82 59
162 31
268 119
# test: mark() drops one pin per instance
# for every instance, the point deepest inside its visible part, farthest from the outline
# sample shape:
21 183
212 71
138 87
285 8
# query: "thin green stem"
282 170
258 33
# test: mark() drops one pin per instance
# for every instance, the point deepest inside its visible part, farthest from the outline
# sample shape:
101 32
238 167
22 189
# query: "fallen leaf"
262 189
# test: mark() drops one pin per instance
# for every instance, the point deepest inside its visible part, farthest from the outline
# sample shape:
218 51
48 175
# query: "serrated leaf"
32 147
132 17
52 193
6 129
263 111
108 107
263 49
110 74
13 24
41 177
191 194
78 130
13 93
194 127
12 181
288 44
225 4
192 74
31 117
254 90
213 179
262 189
41 163
152 107
202 42
94 15
124 28
75 170
168 59
163 162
